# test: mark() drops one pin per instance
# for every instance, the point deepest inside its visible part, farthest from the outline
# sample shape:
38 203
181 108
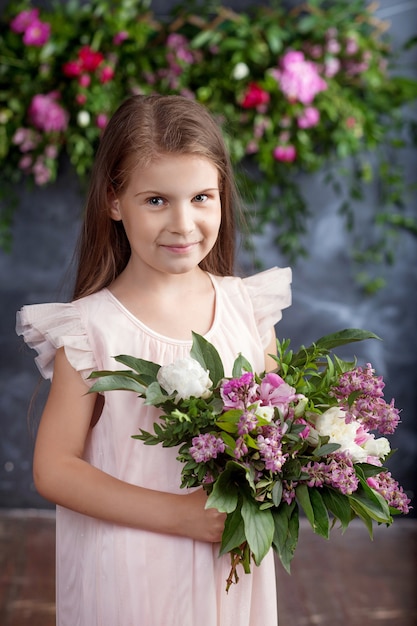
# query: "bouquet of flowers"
266 445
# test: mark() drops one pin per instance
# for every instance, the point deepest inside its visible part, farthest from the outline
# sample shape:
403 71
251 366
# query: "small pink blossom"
81 99
331 67
286 154
101 120
120 37
106 74
25 162
37 33
46 114
89 59
309 118
84 80
72 69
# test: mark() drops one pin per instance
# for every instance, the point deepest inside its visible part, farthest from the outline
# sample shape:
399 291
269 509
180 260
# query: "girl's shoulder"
46 327
271 288
266 294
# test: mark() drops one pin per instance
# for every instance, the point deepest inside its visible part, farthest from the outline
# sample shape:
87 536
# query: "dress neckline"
166 338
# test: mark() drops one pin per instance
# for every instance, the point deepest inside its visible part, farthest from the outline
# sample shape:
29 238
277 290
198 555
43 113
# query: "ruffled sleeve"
47 327
270 293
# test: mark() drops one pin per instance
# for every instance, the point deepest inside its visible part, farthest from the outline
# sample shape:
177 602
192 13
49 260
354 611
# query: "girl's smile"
171 212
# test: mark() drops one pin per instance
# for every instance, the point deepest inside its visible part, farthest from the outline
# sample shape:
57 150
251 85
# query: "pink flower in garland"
89 59
255 97
309 118
35 32
46 114
286 154
24 19
298 78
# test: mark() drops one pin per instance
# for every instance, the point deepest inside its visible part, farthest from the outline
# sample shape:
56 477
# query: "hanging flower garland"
296 91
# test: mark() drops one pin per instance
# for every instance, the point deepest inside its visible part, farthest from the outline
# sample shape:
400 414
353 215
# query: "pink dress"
109 575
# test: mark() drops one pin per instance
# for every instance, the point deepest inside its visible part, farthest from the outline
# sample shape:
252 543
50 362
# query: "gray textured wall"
325 299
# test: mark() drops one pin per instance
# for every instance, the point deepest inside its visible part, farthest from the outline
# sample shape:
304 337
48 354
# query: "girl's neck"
171 305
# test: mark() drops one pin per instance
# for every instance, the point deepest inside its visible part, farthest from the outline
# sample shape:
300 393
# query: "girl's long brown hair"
143 128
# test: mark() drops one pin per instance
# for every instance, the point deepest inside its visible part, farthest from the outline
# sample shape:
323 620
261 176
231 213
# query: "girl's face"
171 212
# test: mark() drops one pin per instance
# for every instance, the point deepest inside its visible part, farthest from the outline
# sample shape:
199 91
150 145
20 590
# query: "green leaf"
313 506
259 528
111 381
372 503
325 449
208 357
241 364
154 395
226 488
343 337
234 531
286 528
321 516
338 504
147 369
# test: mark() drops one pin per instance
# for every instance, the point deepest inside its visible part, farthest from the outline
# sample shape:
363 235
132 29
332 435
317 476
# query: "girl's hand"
200 523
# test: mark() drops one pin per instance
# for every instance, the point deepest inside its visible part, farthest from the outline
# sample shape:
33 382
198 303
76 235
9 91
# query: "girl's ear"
114 209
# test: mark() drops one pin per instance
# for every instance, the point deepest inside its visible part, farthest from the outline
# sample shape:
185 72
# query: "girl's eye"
200 197
155 201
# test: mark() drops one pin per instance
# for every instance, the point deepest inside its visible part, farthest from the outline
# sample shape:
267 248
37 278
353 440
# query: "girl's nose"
182 221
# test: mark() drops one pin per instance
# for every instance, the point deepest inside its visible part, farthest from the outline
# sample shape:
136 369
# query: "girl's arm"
271 348
62 476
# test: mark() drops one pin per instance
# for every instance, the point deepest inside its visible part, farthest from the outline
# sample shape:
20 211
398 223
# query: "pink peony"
37 33
274 391
255 97
24 19
298 78
310 117
287 154
46 114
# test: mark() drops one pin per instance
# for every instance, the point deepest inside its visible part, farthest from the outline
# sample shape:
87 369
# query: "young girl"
155 262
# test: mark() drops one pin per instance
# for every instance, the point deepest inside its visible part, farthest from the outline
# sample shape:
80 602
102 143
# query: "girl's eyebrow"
151 192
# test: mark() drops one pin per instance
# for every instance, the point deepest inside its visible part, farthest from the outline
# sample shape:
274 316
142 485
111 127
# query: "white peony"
186 377
379 447
332 424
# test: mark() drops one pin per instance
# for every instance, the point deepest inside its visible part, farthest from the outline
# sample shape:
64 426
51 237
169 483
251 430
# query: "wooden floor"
349 580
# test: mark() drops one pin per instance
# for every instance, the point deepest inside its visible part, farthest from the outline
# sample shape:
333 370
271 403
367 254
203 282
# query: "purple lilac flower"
270 448
247 422
342 475
46 114
205 447
390 490
240 448
369 407
337 471
238 393
288 491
